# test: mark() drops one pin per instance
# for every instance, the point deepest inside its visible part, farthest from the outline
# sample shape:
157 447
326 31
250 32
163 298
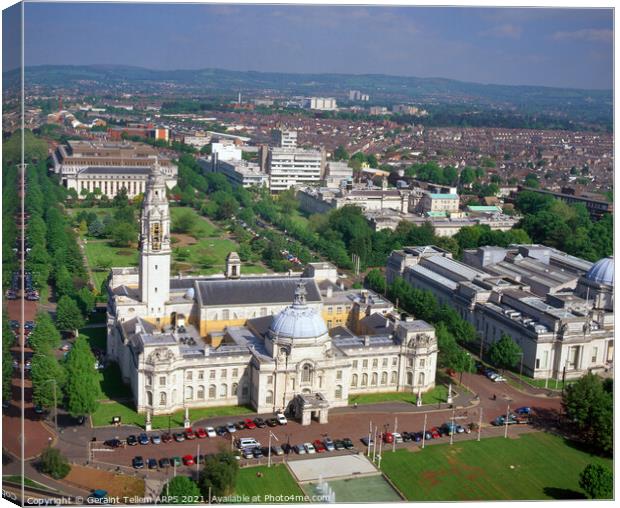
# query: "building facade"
556 307
301 344
290 167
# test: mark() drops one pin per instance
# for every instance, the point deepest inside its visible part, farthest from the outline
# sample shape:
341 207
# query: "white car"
499 379
309 448
397 437
211 432
281 419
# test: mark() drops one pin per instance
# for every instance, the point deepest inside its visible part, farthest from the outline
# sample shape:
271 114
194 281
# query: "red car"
435 433
249 424
188 460
201 433
189 434
166 438
319 446
388 437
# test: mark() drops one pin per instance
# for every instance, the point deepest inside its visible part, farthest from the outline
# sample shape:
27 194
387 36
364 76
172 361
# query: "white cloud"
506 30
585 34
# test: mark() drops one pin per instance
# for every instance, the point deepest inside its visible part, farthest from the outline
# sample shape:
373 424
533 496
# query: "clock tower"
155 246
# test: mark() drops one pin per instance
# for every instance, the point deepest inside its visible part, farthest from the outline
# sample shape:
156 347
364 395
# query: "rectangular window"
225 314
224 373
339 310
338 375
594 354
365 364
355 364
330 310
212 374
201 374
538 363
329 323
375 363
545 359
269 380
395 361
422 363
384 363
162 381
189 375
235 373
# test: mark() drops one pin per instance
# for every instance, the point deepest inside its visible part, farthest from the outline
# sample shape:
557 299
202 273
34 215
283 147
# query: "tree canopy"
504 353
179 490
82 388
597 481
219 475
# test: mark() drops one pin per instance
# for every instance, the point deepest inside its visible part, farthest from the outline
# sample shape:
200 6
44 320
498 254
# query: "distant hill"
595 104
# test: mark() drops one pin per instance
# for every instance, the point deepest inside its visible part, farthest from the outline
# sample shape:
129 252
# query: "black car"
137 462
165 462
287 448
240 425
348 444
257 452
113 443
221 430
152 463
199 459
339 444
272 422
132 440
260 423
407 436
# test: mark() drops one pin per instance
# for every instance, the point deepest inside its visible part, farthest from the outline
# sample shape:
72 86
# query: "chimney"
329 292
366 340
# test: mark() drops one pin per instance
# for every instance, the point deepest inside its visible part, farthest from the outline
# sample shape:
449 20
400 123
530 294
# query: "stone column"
306 417
323 413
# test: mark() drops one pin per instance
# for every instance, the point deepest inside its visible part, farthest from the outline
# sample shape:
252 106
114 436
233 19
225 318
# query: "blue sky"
554 47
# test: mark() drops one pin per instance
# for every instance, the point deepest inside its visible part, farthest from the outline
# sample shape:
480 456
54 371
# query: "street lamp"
271 435
52 380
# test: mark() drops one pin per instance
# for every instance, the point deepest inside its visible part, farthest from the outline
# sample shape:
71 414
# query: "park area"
260 482
117 485
534 466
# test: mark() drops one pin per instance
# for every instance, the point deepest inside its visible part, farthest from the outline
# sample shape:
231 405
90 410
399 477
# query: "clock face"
156 236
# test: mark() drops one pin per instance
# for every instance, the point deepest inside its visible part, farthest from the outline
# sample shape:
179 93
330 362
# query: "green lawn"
27 481
96 336
272 481
437 394
534 466
369 489
202 226
111 382
97 250
103 415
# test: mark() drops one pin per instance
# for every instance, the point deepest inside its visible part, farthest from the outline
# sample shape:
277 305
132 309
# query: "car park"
249 424
188 460
348 444
210 432
179 437
152 463
156 439
281 419
329 444
132 440
138 462
260 423
300 449
164 462
201 433
143 439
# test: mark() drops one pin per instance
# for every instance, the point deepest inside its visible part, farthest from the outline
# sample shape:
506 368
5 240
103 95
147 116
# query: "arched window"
364 379
373 382
394 378
306 373
269 397
384 378
201 392
421 379
235 389
354 380
338 394
189 393
212 391
410 378
149 398
162 398
224 390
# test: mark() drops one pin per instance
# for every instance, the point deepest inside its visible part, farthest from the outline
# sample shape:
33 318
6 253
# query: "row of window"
200 374
386 361
199 393
356 381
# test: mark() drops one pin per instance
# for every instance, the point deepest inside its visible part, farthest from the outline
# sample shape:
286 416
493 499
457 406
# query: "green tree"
53 463
48 379
340 154
597 481
123 234
45 337
82 388
86 300
288 201
7 359
183 222
590 407
179 489
504 353
219 475
375 280
68 315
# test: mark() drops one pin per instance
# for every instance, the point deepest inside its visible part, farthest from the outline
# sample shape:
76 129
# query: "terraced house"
295 342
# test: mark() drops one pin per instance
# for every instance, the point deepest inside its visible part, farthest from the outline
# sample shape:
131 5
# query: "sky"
552 47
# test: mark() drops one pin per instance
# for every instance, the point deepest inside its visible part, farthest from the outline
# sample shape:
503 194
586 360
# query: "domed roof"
298 321
602 271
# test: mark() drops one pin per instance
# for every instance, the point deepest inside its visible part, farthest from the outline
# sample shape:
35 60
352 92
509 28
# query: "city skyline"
568 48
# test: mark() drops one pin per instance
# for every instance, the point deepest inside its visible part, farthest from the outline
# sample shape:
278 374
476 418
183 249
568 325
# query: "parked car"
210 432
199 459
230 428
260 423
435 433
201 433
277 450
339 444
165 462
272 422
309 448
523 410
221 430
189 434
417 437
460 429
240 425
179 437
152 463
132 440
449 428
428 435
407 436
501 420
247 453
318 446
175 461
521 418
257 452
143 439
388 437
249 424
281 419
348 444
166 438
39 409
188 460
329 444
113 443
287 448
398 438
137 462
366 441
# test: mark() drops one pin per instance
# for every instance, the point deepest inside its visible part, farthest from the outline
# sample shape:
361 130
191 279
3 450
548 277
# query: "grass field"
202 227
534 466
105 412
111 382
437 394
272 481
370 489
